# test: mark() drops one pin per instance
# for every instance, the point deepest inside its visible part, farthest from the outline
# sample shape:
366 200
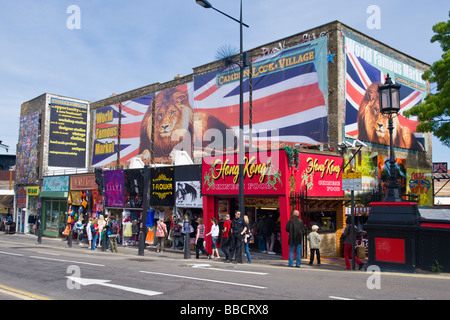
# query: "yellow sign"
32 191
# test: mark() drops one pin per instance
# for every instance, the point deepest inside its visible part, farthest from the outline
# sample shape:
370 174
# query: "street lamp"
390 105
242 65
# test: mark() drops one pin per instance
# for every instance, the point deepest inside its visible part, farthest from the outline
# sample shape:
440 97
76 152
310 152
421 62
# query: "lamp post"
242 65
390 106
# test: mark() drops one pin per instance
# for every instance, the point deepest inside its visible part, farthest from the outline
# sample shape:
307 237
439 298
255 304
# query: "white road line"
70 261
339 298
50 254
208 267
207 280
11 254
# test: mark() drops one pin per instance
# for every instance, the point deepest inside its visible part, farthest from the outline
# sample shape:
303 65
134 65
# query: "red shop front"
270 178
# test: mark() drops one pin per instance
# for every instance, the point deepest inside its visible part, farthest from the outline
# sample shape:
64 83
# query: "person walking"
161 234
89 232
247 237
314 245
112 231
296 229
199 240
226 240
348 234
260 234
101 225
238 229
94 231
214 236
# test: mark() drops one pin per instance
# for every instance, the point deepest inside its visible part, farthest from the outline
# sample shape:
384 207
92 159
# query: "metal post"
145 207
241 126
353 233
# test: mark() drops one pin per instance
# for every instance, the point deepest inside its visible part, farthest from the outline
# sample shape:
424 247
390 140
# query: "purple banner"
114 188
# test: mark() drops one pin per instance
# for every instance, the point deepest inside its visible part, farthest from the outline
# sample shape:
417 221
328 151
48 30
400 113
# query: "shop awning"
7 198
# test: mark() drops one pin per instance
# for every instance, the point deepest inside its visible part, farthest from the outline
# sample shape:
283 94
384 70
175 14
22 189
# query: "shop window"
326 220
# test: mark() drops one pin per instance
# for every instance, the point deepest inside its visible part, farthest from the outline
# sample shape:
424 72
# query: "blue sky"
124 45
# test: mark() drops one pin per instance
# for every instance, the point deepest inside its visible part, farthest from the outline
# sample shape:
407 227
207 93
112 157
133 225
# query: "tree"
434 112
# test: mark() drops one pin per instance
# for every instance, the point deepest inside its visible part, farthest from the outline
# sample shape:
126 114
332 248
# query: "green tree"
434 112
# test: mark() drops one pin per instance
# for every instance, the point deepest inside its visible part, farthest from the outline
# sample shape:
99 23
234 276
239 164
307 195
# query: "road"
51 271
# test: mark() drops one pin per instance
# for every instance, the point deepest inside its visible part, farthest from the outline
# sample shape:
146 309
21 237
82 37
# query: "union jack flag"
360 74
133 112
287 103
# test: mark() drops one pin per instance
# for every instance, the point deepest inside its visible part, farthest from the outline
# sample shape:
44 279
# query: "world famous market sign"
263 174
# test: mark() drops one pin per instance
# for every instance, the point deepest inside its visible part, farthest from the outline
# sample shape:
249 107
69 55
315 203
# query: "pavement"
327 263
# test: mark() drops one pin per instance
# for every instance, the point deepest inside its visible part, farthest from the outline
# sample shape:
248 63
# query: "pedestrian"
260 234
199 240
269 233
225 243
296 229
348 234
94 231
101 225
314 244
247 237
161 234
238 229
214 236
89 231
79 227
112 232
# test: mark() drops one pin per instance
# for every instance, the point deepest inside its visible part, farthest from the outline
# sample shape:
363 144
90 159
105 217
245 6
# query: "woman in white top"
214 236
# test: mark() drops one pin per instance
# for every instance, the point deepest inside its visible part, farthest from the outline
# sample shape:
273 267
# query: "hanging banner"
162 187
188 194
294 78
114 188
366 70
419 183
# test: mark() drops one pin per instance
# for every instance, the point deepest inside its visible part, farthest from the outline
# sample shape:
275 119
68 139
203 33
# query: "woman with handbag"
161 234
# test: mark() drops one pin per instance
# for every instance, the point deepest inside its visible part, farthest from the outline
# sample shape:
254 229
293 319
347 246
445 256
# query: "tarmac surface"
327 263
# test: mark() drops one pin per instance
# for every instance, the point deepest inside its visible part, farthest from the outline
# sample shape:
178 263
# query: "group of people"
99 230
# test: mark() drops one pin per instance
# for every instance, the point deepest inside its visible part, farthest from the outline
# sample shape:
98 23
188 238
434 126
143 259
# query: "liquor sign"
262 175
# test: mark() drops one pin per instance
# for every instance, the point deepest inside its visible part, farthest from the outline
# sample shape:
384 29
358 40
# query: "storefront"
54 195
274 186
32 211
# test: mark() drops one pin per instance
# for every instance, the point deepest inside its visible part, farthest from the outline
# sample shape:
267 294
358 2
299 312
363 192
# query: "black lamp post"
390 105
242 65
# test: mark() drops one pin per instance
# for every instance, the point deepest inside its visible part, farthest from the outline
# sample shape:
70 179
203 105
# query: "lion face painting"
373 125
172 123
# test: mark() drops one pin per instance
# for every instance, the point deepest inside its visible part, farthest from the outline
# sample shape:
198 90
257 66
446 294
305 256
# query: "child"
314 244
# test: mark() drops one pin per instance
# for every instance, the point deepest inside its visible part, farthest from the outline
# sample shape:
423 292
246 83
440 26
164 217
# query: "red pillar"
208 213
285 214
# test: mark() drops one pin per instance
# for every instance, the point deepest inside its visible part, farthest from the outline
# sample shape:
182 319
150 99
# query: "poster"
27 150
114 188
188 194
289 100
68 124
419 183
366 70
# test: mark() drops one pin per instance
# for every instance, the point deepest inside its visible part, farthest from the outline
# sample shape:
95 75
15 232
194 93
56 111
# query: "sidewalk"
258 258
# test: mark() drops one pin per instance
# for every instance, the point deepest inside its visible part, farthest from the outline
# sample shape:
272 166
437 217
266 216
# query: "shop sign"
56 184
114 188
162 187
262 176
188 194
320 175
32 191
83 182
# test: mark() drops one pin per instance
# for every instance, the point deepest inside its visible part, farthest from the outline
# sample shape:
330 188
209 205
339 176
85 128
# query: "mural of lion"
373 125
173 123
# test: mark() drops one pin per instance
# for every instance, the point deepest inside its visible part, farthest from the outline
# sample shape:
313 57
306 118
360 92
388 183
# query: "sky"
111 46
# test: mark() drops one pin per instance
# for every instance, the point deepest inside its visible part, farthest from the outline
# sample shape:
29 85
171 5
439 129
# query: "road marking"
70 261
208 267
12 254
207 280
20 294
105 283
49 253
339 298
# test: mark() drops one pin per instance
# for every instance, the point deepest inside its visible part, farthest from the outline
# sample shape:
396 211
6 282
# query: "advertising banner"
262 175
162 187
188 194
27 149
420 184
68 124
366 70
319 175
289 97
114 188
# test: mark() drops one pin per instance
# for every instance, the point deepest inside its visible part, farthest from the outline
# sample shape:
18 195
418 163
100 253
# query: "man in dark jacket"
238 229
296 229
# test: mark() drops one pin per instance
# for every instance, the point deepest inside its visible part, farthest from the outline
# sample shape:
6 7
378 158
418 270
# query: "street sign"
351 181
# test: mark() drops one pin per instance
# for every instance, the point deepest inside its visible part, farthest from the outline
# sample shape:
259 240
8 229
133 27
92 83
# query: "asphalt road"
51 271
